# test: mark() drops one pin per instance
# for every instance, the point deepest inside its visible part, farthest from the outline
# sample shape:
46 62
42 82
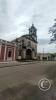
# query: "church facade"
26 45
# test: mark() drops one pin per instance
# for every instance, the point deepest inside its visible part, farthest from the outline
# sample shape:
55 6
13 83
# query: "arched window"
29 44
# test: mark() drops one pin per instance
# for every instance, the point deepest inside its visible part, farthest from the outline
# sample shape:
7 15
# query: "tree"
52 30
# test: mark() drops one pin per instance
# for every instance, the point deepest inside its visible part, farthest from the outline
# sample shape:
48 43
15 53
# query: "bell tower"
33 32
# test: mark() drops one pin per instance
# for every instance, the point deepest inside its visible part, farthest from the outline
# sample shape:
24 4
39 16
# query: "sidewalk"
8 64
14 63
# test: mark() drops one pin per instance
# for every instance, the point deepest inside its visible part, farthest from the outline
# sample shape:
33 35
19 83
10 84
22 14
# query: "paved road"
13 76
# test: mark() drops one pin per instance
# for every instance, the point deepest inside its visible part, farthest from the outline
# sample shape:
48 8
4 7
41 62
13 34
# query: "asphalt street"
23 73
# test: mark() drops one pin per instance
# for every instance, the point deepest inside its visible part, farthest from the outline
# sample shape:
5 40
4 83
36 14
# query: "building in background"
7 51
44 56
26 45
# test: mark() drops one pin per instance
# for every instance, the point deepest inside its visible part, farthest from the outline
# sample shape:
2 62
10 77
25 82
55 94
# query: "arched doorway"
28 54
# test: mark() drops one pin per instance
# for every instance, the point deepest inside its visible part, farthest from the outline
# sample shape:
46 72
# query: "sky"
16 17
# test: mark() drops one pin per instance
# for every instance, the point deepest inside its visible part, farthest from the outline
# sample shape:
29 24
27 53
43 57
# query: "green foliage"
52 30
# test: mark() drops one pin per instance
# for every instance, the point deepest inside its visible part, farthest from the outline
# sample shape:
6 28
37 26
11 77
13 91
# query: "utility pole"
43 53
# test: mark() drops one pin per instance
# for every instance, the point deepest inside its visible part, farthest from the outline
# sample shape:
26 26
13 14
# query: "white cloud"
47 48
16 16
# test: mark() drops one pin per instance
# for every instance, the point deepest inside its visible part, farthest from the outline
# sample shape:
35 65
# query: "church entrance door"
28 54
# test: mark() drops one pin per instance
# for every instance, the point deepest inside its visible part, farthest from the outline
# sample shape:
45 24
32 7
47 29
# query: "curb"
12 65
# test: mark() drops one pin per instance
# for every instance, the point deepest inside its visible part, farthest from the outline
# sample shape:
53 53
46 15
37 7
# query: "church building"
22 48
26 45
